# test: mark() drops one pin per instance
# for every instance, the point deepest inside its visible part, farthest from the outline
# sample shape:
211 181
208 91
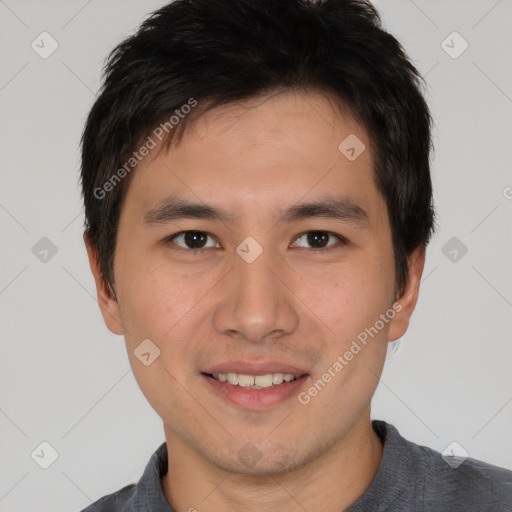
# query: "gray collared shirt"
411 478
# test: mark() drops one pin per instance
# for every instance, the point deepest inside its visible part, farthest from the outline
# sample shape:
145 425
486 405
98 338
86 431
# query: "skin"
293 304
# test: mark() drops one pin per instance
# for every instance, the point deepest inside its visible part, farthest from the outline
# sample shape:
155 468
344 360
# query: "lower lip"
256 399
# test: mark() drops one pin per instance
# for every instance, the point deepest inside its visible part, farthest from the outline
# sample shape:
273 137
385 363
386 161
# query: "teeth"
254 381
263 381
233 378
277 378
245 380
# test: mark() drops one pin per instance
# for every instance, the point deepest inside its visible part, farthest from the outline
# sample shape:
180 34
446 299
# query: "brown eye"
191 240
320 239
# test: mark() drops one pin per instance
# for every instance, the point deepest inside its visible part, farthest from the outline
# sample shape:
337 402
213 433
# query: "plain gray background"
65 379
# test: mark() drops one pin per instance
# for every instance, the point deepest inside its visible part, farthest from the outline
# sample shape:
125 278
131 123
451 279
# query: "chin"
260 462
259 469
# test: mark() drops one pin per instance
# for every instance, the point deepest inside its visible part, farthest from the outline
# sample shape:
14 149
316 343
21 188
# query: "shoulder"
119 501
468 484
457 483
147 492
419 478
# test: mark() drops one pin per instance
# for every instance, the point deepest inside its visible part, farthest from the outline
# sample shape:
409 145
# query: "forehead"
261 153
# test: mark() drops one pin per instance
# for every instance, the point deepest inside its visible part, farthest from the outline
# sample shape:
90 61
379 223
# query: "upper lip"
255 368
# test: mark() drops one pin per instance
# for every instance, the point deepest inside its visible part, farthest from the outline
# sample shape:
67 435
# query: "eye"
191 240
319 239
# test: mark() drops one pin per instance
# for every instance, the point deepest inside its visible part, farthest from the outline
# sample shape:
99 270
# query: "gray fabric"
410 478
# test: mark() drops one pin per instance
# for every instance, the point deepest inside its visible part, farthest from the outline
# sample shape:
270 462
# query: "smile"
254 381
255 392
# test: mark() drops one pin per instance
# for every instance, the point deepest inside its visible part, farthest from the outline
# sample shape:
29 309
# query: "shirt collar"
398 473
149 495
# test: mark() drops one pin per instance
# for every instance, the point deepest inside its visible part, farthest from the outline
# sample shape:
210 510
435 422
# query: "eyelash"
342 240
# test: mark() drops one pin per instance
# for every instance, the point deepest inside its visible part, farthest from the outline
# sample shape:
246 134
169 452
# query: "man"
258 202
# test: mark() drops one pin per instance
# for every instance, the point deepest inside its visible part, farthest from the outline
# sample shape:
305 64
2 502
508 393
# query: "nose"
257 303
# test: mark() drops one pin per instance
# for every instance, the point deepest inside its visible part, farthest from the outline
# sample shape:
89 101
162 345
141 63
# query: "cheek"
153 299
171 310
355 344
156 307
347 298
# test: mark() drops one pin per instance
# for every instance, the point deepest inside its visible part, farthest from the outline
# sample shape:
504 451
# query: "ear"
106 300
407 301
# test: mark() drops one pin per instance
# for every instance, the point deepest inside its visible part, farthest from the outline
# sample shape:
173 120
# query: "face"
252 281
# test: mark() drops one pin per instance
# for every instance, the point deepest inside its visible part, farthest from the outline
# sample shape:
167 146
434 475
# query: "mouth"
255 387
263 381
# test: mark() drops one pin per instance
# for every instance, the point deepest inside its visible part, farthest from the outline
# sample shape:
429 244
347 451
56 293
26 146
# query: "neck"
330 482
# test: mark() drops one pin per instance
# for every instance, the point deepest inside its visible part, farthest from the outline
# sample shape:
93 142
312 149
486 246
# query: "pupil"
318 236
194 238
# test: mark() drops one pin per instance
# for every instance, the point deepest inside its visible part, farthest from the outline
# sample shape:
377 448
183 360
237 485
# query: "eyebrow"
337 208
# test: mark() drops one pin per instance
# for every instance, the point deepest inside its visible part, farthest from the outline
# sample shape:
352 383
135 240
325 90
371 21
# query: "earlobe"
106 299
409 296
